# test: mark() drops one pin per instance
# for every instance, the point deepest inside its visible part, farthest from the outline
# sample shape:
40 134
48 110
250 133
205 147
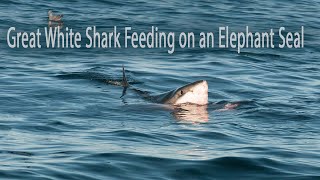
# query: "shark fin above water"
124 78
124 82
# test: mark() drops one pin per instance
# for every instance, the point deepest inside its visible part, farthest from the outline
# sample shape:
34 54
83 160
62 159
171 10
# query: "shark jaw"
193 93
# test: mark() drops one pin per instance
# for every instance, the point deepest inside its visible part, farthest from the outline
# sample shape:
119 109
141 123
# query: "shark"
195 93
188 103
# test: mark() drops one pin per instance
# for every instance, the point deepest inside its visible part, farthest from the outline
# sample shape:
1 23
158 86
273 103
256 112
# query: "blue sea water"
59 119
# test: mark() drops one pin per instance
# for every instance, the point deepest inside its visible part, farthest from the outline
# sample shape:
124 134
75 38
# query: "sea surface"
60 119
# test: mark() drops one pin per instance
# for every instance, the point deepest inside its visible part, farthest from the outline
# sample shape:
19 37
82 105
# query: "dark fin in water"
124 78
124 83
124 91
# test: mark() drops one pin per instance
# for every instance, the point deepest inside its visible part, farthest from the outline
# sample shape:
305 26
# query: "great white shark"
187 103
194 93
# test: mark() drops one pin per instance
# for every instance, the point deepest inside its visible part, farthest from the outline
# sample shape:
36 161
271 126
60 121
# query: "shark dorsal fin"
124 82
124 78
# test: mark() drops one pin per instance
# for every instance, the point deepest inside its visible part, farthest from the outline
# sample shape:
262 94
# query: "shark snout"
200 92
204 83
202 88
195 93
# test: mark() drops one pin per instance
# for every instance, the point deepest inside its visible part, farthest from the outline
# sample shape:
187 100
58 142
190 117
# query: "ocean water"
59 119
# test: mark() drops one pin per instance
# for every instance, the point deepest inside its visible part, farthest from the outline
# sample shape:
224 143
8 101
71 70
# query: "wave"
130 166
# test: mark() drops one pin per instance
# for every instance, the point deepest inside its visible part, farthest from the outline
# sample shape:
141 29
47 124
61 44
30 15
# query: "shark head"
194 93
